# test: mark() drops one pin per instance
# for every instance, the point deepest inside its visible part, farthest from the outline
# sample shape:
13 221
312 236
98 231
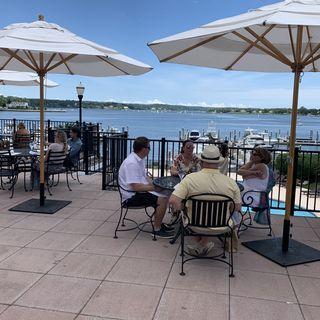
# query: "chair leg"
120 218
67 178
55 184
124 218
24 182
77 173
48 186
231 274
269 222
224 247
182 252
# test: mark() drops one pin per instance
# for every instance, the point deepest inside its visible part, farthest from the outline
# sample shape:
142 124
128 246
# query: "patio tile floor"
68 266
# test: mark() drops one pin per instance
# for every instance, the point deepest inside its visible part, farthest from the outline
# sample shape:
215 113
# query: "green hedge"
308 166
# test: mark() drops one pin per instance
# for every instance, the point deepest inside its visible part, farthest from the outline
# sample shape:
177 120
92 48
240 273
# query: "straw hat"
211 154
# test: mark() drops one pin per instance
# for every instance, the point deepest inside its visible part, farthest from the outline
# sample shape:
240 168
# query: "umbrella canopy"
15 78
283 37
62 52
263 40
43 48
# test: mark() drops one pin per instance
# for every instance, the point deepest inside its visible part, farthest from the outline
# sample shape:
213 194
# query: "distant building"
17 105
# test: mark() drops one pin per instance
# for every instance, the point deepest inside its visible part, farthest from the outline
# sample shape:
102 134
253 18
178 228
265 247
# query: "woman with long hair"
186 161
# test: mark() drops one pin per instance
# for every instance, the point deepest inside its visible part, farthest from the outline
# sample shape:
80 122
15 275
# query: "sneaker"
162 233
207 248
193 250
167 227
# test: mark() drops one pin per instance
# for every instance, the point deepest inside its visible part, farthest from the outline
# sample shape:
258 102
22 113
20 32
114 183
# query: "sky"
127 26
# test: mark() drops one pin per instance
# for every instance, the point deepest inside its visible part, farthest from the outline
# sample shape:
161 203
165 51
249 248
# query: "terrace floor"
68 266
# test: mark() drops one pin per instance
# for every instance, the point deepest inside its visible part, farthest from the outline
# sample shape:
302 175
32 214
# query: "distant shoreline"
26 110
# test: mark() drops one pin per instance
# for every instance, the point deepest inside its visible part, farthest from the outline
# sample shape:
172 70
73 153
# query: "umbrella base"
271 249
33 206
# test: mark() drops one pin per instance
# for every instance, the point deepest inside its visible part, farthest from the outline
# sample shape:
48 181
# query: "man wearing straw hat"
208 180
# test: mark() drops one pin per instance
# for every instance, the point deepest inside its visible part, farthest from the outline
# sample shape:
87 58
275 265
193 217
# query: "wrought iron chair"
9 171
208 215
73 167
125 207
54 167
262 212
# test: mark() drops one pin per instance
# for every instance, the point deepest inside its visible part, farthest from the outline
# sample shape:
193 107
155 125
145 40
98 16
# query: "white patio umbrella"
283 37
43 48
16 78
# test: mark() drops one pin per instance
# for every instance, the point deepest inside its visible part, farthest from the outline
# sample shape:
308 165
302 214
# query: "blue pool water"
296 213
281 210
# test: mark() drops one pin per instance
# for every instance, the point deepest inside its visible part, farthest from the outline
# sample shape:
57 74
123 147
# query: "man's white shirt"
132 170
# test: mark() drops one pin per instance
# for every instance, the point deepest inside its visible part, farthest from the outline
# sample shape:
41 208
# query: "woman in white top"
255 175
59 145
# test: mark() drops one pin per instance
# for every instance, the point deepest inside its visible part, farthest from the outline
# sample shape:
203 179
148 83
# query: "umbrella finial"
41 17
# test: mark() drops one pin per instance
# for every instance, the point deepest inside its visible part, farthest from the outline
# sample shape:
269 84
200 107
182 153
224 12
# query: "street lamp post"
80 91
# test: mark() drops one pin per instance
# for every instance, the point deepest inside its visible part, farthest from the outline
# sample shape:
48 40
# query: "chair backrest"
6 160
21 140
119 187
271 180
56 158
208 210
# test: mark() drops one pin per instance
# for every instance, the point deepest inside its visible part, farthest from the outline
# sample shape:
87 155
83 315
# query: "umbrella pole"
42 196
289 186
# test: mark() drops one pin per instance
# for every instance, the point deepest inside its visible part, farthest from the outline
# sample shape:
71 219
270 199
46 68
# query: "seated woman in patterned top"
186 161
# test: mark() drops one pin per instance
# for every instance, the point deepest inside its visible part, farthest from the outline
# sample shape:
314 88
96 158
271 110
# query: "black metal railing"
307 185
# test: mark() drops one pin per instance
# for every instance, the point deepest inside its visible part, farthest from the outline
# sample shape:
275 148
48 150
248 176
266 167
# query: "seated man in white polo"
208 180
133 177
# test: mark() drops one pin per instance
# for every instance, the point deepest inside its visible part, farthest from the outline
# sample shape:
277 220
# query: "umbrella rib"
114 66
311 54
71 56
61 56
311 61
310 46
31 58
270 46
258 46
6 63
292 43
50 60
249 48
189 48
16 56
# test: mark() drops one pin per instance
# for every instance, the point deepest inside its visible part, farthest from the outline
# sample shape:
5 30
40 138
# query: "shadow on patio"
68 266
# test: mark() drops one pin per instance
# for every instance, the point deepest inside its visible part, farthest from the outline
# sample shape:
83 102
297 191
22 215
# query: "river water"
168 124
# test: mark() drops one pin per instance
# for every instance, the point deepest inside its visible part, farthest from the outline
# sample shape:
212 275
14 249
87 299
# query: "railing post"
163 156
98 141
14 125
50 135
104 163
125 145
86 152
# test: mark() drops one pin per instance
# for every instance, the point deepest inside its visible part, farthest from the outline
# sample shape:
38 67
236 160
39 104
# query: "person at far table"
208 180
224 150
133 177
21 138
75 144
186 161
255 175
60 145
